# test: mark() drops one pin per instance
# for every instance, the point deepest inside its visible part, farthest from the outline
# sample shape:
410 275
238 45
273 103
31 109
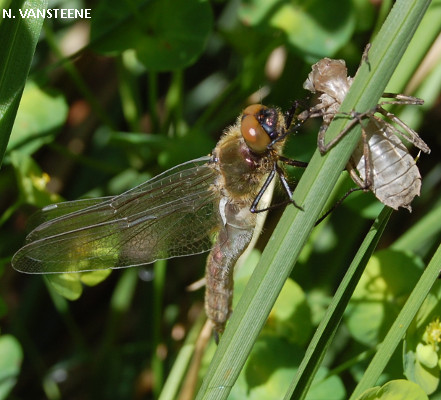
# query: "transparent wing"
168 216
56 210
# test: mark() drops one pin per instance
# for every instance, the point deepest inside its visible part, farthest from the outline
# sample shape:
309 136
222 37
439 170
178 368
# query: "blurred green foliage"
144 85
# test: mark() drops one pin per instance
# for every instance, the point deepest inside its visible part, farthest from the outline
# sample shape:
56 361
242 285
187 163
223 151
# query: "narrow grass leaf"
18 38
180 365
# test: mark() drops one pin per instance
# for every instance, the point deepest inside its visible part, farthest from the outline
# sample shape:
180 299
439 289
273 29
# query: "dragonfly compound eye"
253 131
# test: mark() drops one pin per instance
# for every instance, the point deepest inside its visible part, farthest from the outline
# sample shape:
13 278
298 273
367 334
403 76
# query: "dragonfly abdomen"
237 229
395 177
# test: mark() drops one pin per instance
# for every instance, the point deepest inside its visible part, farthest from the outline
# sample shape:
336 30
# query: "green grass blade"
316 184
159 270
330 322
180 366
416 238
400 325
18 38
420 44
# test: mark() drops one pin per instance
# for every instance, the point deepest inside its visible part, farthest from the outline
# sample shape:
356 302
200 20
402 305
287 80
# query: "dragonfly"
380 163
210 203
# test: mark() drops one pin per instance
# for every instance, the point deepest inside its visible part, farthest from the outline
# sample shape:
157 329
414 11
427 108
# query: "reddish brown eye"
252 131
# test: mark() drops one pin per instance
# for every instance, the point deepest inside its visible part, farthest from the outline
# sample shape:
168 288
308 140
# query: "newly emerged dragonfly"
381 162
207 203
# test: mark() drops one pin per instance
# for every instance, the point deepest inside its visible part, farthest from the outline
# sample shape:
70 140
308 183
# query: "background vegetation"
137 89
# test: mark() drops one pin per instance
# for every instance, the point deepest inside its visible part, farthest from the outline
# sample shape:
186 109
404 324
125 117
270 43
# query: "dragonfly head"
260 125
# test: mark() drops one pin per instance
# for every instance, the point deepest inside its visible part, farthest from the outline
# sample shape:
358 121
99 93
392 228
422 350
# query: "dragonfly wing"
71 215
57 210
170 215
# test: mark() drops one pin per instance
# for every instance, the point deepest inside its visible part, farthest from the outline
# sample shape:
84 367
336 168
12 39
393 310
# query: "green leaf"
290 317
382 290
11 357
331 320
426 377
31 181
400 325
70 286
166 34
427 356
421 352
18 38
399 389
365 14
314 27
67 285
36 126
93 278
269 368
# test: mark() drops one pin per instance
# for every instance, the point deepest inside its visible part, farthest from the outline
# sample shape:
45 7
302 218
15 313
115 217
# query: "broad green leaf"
399 389
427 355
426 377
67 285
290 317
31 181
36 126
269 369
422 350
330 321
314 27
93 278
400 325
70 286
365 14
166 34
382 290
11 357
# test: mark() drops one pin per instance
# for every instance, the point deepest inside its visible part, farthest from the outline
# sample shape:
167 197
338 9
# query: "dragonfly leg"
367 161
325 147
293 163
285 185
365 183
354 175
400 99
262 190
412 136
292 112
317 111
409 133
337 204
